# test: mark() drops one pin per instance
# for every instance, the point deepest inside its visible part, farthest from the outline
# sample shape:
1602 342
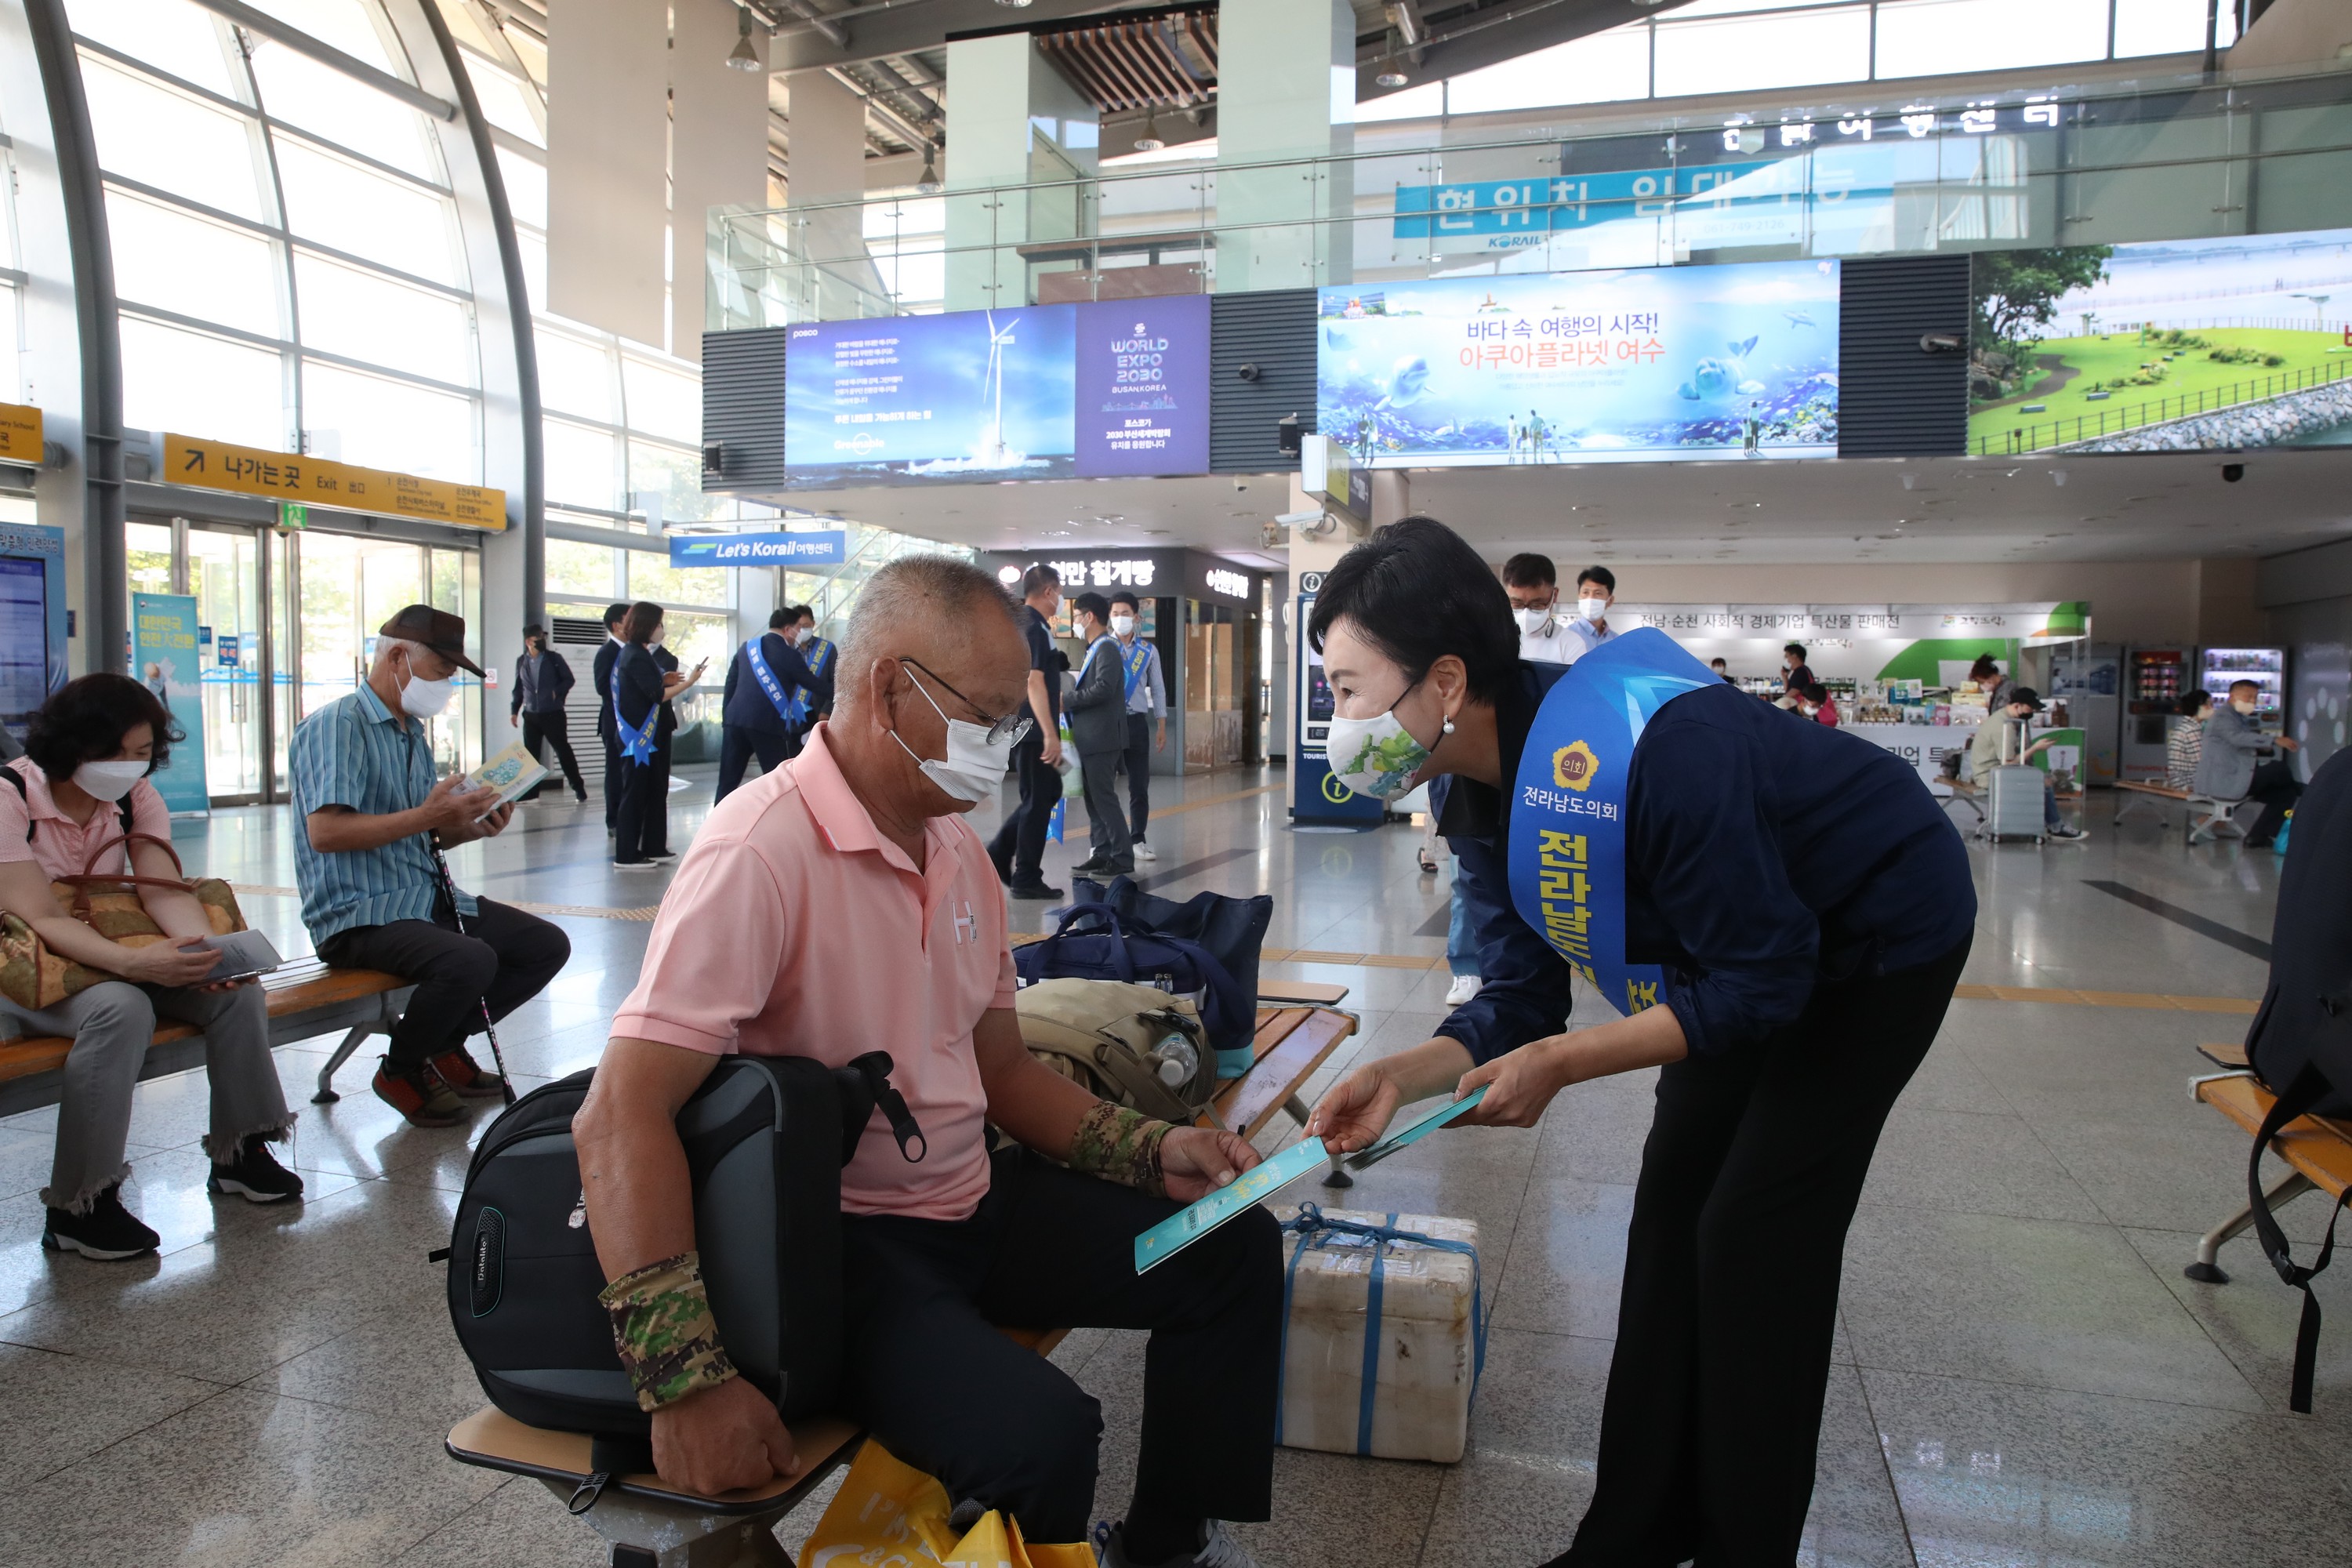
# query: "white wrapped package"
1344 1270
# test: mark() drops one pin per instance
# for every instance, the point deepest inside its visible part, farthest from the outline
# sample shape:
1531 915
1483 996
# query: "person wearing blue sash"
1780 911
1147 705
640 688
771 697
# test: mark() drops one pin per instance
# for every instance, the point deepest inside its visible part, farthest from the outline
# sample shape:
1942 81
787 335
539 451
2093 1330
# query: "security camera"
1940 343
1249 373
1294 519
2232 473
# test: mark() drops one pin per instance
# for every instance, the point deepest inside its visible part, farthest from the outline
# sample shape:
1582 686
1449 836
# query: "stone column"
1022 151
1286 91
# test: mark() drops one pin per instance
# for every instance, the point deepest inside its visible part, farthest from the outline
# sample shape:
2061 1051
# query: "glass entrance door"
224 571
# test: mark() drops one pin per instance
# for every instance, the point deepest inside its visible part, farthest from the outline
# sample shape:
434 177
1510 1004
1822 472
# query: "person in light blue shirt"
1147 704
1596 590
368 864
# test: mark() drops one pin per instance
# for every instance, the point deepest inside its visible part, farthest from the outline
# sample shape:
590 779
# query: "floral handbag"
35 978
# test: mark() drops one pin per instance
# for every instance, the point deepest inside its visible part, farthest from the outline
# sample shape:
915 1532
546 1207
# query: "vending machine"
2265 667
2086 680
2154 680
1314 795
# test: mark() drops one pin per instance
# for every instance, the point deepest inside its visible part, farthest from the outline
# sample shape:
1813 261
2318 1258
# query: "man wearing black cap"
373 815
1984 755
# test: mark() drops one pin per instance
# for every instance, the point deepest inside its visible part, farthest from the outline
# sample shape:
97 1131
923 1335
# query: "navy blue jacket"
1763 857
600 670
745 704
637 680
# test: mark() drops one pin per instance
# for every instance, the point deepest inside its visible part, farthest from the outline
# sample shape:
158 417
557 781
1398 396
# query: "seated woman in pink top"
842 904
84 773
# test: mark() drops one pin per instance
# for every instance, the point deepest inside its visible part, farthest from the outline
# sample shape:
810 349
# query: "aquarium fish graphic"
1799 319
1714 379
1408 381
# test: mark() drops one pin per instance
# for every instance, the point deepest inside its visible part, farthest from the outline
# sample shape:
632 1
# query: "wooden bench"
2317 1152
307 999
2207 813
648 1522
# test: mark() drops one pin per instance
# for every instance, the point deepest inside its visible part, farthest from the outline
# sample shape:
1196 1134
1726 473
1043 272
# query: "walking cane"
449 890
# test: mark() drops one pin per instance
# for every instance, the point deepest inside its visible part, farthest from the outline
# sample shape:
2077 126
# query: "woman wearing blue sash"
1780 909
641 690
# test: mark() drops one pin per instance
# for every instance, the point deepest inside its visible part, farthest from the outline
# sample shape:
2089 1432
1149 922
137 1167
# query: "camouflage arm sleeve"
1120 1145
663 1327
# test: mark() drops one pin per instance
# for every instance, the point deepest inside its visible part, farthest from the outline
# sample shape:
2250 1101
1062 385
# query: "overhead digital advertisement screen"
1640 365
2178 345
1040 392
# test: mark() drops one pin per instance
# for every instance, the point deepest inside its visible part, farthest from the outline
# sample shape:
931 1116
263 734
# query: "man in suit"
2227 769
1098 711
542 680
764 716
606 729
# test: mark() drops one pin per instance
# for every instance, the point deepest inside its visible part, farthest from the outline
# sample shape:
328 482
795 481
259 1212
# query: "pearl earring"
1448 728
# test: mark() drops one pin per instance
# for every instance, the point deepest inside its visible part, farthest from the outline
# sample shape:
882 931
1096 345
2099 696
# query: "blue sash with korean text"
816 652
637 746
1137 661
770 687
1568 806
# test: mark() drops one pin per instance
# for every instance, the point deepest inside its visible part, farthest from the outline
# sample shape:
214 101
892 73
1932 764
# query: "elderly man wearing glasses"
842 903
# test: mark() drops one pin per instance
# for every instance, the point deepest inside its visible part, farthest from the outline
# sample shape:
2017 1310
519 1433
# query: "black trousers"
739 743
930 1377
643 828
1114 850
552 728
1137 761
1754 1165
613 780
502 960
1020 844
2277 788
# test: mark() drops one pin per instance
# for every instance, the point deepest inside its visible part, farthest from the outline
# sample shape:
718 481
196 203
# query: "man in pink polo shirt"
842 904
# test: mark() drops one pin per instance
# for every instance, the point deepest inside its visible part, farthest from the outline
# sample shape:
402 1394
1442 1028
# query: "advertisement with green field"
2179 345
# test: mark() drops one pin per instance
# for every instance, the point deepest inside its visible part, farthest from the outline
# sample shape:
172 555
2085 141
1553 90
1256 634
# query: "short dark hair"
1037 577
1796 648
1814 692
1126 596
783 617
644 616
1600 574
1092 603
1529 570
1712 663
84 720
803 613
2255 686
615 613
1416 592
2192 700
534 630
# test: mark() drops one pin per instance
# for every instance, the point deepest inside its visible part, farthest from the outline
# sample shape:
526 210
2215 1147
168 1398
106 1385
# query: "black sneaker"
107 1232
1034 890
255 1176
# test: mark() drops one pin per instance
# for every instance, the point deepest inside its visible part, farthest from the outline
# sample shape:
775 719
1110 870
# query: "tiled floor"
2023 1374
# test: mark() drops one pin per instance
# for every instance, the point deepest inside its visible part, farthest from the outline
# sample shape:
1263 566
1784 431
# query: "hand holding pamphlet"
511 772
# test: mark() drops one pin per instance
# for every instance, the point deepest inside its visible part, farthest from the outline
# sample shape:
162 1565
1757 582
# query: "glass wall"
286 245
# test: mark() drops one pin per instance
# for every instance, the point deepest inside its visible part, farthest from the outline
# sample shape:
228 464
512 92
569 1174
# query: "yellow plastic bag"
890 1515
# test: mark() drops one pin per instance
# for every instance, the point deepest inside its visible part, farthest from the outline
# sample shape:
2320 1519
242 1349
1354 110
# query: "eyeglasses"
1008 730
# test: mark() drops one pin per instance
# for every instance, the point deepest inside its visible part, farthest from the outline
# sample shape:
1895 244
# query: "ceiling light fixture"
743 56
926 184
1390 78
1149 141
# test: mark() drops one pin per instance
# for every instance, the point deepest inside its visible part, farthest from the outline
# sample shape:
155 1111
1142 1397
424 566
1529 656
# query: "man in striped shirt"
372 817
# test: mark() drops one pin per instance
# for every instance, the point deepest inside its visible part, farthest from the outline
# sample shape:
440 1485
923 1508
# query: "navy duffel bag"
1175 965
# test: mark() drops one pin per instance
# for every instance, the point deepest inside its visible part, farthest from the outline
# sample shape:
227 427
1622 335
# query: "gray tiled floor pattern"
2023 1375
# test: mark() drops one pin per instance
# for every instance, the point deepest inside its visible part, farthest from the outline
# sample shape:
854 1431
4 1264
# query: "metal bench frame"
2207 813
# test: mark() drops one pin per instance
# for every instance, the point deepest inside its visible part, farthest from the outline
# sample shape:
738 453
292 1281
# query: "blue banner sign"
823 547
164 660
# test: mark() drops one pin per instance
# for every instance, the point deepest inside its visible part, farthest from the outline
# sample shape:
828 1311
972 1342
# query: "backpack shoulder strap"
2310 1086
14 777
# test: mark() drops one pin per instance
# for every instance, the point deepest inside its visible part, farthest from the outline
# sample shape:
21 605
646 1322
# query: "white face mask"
1592 609
1811 708
2245 708
974 764
426 699
1531 621
1123 625
1376 757
109 780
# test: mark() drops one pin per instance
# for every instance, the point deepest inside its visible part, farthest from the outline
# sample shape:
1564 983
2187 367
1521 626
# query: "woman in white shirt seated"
83 776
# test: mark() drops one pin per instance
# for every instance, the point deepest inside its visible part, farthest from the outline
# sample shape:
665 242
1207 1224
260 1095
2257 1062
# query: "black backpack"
2300 1044
765 1139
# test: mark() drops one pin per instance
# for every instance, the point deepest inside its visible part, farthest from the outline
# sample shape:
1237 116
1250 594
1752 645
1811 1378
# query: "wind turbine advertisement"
1637 365
1035 392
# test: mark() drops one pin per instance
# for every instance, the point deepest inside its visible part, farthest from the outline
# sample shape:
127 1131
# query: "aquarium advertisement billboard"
1038 391
1637 365
2175 345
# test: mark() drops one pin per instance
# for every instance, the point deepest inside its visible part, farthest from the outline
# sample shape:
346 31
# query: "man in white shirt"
1147 704
1534 587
